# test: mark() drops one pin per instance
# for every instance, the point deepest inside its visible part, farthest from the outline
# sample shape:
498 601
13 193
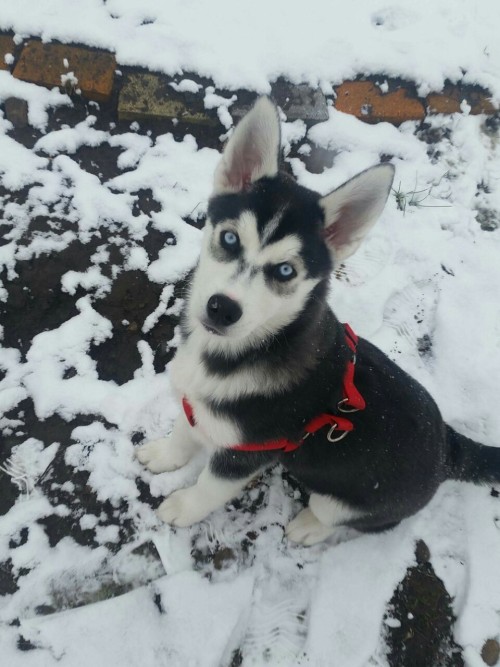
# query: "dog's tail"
470 461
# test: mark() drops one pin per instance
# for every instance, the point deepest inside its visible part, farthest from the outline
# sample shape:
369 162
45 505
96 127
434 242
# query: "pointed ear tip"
387 172
264 100
386 166
265 104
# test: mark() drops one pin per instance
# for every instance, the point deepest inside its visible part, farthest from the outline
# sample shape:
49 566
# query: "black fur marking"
231 464
184 329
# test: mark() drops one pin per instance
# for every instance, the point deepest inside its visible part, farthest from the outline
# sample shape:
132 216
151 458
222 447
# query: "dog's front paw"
306 529
182 508
161 456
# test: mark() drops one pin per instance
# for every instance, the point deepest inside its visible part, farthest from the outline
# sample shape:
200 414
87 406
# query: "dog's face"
268 241
259 262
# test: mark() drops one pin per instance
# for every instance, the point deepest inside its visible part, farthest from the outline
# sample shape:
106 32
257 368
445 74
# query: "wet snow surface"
98 232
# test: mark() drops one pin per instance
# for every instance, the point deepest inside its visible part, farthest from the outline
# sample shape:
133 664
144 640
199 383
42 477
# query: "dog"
266 373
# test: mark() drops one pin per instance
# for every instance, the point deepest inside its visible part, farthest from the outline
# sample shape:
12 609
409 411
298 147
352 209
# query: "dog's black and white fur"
262 354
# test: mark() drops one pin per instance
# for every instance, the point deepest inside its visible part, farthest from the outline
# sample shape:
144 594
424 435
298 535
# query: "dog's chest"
190 380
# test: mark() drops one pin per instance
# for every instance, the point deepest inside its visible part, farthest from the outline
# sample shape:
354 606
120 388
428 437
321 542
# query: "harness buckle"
330 437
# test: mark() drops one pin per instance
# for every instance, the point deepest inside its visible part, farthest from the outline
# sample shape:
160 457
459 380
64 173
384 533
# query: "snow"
280 604
213 616
38 99
186 86
428 42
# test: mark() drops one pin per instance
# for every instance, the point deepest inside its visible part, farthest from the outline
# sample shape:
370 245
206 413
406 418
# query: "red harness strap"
351 402
188 411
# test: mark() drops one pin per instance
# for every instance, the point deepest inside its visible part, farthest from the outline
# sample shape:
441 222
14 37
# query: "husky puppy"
264 362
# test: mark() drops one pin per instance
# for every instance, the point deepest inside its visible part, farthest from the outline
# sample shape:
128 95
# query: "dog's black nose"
223 311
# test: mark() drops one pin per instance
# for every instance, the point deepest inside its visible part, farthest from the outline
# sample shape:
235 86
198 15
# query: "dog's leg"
318 521
187 506
170 453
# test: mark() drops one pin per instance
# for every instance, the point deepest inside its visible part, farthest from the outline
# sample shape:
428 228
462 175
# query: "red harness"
351 402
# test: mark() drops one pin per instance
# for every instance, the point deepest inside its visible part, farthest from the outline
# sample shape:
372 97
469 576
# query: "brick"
44 64
301 101
443 103
149 97
480 102
365 100
16 111
450 99
6 46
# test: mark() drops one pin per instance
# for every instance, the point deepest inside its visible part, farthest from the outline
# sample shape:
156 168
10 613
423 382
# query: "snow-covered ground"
424 287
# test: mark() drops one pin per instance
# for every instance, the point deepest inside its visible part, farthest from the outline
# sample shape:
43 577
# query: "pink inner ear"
340 231
238 181
334 234
248 169
329 233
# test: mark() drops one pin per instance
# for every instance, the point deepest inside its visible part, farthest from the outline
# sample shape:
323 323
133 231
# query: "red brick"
6 46
366 101
450 99
480 102
443 103
44 64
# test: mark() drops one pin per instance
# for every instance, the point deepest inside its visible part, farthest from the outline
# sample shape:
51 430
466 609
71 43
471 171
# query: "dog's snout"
222 310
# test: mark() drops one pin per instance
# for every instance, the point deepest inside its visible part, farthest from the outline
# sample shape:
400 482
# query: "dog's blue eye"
229 240
284 271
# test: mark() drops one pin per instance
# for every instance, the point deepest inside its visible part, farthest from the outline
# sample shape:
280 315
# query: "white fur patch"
187 506
330 511
272 225
189 378
318 521
167 454
306 529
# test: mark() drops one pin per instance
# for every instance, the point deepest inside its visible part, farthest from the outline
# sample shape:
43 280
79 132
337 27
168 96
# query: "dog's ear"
252 151
352 210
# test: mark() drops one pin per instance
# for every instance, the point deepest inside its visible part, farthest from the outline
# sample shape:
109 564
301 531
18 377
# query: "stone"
149 97
451 98
488 218
300 101
52 64
16 111
222 556
366 101
422 553
490 653
6 46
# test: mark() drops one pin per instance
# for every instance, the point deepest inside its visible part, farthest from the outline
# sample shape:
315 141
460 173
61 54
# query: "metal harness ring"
346 410
330 437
